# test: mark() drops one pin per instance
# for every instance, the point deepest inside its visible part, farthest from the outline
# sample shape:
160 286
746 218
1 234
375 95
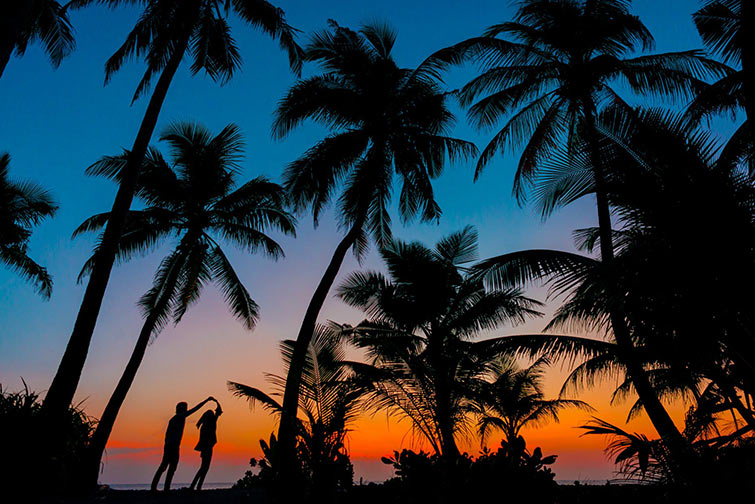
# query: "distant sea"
220 485
173 486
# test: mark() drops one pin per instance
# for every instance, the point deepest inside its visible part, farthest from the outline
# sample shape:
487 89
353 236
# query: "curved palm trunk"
63 387
101 435
636 373
290 407
98 442
10 25
748 58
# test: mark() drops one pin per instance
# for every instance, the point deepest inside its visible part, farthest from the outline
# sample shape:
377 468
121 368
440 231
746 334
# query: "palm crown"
512 398
384 118
195 201
719 23
25 22
201 26
22 206
559 61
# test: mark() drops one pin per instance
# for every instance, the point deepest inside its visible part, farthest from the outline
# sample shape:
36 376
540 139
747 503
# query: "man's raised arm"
195 408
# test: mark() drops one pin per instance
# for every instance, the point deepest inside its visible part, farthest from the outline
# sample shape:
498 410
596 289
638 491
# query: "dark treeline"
657 296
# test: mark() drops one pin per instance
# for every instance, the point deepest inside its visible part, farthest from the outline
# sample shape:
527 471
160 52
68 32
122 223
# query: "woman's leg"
171 471
164 463
196 478
206 459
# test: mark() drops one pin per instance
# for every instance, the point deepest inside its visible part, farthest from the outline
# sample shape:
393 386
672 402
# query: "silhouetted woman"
207 425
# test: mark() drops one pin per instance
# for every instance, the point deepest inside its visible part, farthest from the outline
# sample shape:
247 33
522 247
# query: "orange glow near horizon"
136 443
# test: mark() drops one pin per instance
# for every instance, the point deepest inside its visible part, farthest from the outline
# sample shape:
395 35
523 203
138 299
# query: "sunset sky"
55 123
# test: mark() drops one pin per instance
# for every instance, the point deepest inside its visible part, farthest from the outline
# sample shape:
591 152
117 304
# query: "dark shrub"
35 461
511 471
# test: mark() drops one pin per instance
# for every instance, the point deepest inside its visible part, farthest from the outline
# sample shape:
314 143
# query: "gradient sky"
56 123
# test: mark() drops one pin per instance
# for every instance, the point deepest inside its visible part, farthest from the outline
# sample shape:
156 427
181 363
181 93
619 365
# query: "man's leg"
171 456
171 470
159 473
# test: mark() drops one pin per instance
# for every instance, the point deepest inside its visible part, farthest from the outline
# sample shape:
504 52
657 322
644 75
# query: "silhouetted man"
171 449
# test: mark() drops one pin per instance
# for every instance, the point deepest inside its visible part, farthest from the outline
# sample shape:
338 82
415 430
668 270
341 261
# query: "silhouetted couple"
207 425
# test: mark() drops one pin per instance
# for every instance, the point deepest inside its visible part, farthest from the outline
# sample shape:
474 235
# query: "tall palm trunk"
63 387
449 450
444 380
11 20
748 58
287 427
98 442
636 373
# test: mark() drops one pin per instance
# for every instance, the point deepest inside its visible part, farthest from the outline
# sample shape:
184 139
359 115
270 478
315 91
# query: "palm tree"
195 202
22 206
422 322
512 398
24 22
384 119
549 76
329 403
166 31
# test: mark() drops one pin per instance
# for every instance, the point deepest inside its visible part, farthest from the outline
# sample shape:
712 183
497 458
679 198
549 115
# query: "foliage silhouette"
23 205
424 362
22 419
512 398
661 170
722 26
511 469
329 402
25 22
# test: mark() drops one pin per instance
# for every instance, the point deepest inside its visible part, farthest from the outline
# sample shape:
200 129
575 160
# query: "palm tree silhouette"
194 201
512 398
165 32
24 22
329 402
22 206
384 119
557 65
419 336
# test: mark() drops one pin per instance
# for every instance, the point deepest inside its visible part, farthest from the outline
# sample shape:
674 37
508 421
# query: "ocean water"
590 482
221 485
173 486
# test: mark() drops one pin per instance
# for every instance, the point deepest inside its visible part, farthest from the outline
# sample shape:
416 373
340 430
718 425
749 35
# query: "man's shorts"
171 454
